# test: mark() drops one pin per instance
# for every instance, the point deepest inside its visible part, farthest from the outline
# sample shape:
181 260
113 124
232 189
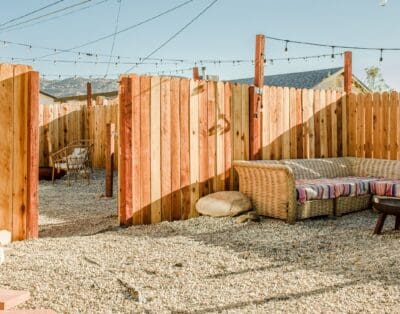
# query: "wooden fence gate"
19 147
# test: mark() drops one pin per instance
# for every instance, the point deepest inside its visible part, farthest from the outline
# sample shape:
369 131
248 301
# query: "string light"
381 57
286 47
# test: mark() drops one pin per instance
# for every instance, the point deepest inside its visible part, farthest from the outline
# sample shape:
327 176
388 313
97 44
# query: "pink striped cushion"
321 189
384 187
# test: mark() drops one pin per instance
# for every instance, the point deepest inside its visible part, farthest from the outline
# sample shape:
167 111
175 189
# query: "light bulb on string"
333 54
286 47
381 57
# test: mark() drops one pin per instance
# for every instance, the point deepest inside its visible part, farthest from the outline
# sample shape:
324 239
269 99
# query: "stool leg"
397 223
380 223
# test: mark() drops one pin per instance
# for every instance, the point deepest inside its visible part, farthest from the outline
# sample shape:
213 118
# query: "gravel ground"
201 265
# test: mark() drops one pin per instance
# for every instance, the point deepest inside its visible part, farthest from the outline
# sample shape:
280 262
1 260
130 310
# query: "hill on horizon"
77 86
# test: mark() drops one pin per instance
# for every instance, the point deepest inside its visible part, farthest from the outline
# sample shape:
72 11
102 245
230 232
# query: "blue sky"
226 31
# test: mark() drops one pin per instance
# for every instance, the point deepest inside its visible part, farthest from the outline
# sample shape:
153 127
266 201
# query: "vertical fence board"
194 146
228 136
323 125
286 124
292 123
368 126
245 135
145 149
136 146
237 127
377 139
394 125
212 131
203 139
385 125
317 123
176 210
20 166
155 139
220 129
352 129
6 145
265 123
360 126
185 147
166 149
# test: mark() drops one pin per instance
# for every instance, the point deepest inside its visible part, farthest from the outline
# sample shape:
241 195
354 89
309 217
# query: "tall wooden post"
348 75
110 131
196 75
89 94
255 103
343 138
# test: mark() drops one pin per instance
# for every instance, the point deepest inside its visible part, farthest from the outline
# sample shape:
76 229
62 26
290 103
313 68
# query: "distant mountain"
77 86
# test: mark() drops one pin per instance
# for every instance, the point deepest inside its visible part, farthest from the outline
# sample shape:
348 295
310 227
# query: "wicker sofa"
271 185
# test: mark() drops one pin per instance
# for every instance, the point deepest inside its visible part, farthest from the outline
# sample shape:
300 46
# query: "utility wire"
53 18
175 34
45 15
113 42
30 13
122 30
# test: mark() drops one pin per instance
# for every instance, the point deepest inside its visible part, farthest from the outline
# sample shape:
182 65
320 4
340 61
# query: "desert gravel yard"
85 263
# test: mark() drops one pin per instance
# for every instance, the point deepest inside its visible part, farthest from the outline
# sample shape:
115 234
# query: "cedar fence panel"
19 90
193 130
373 125
65 123
302 123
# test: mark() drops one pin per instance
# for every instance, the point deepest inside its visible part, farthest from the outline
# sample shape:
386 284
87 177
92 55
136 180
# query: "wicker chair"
75 159
271 184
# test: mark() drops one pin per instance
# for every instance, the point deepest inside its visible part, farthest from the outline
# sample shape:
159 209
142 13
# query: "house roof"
47 94
307 79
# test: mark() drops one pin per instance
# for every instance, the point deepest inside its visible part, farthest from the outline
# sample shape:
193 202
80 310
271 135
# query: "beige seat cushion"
222 204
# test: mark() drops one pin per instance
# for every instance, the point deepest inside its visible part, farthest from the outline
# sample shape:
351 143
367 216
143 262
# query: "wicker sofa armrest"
270 187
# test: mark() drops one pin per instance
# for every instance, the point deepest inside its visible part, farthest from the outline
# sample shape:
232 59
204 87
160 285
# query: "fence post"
348 76
89 94
255 100
347 87
196 76
110 131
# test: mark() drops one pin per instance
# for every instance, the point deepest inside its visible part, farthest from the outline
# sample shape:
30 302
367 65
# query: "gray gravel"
84 263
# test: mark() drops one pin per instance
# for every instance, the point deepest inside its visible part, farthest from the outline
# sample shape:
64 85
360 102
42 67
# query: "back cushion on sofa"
319 168
389 169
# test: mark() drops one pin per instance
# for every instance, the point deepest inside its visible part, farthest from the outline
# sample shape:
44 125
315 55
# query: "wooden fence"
62 124
374 125
303 123
19 90
178 137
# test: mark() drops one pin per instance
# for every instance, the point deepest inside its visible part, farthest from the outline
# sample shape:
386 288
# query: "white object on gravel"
222 204
5 237
2 257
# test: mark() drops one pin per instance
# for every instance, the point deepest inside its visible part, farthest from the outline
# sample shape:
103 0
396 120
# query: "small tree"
374 80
